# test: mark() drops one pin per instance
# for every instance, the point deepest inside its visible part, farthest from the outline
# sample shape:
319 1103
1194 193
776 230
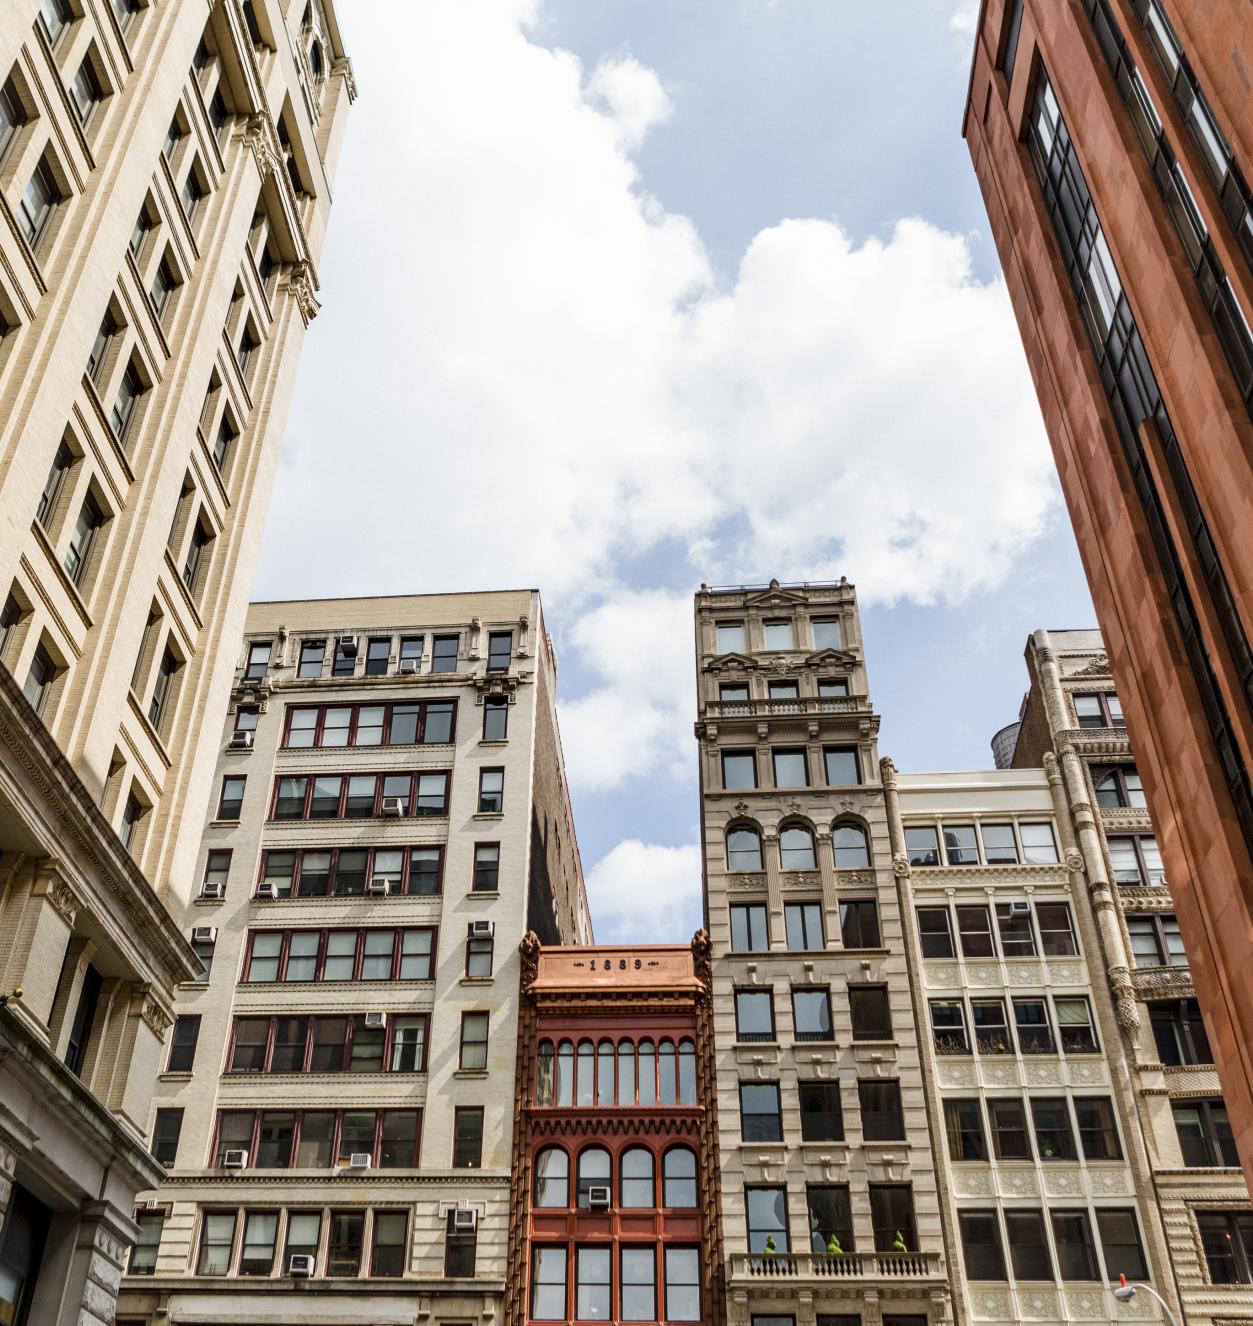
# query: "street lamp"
1125 1292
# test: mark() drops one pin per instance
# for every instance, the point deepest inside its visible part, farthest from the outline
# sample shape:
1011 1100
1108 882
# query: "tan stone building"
164 188
830 1202
337 1114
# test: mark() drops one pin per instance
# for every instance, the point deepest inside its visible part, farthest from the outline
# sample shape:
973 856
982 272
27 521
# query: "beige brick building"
390 818
165 172
829 1190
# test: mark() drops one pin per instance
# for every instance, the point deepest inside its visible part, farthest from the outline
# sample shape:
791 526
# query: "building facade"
1048 1188
164 187
615 1211
1111 139
830 1201
1072 726
336 1116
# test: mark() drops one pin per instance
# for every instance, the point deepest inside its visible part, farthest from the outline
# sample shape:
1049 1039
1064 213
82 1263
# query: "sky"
623 296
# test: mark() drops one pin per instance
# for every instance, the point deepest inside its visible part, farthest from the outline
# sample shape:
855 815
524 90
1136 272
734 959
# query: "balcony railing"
809 704
845 1266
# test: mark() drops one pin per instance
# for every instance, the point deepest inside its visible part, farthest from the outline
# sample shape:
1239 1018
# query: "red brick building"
615 1197
1113 141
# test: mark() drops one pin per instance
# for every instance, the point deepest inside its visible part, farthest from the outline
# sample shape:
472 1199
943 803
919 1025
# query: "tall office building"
830 1203
1114 147
337 1110
164 189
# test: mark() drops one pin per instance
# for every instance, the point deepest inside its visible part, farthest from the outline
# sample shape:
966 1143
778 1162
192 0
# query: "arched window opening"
593 1173
743 850
626 1073
668 1087
648 1073
552 1178
316 62
637 1178
851 852
604 1074
583 1094
678 1168
565 1074
796 849
687 1073
544 1074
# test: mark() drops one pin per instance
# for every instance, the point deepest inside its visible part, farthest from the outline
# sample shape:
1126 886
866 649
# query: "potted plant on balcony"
833 1247
770 1250
898 1243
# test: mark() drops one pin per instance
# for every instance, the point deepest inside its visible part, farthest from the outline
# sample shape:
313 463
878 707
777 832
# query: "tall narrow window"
499 650
85 92
62 462
78 553
495 718
39 201
467 1142
491 791
473 1041
201 538
40 678
130 389
162 687
105 336
486 867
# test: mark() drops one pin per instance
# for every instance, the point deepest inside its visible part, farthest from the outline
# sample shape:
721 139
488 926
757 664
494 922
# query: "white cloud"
633 95
965 18
642 890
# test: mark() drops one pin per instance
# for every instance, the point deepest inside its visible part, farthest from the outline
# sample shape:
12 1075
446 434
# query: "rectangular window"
767 1218
830 1219
934 932
377 656
1074 1026
960 848
1136 860
78 553
1039 847
217 1239
165 1134
39 201
1156 940
1205 1137
406 724
491 791
1180 1033
1057 930
1031 1018
473 1053
1120 1244
826 632
974 924
859 923
256 1256
811 1014
164 284
1013 925
803 924
43 672
892 1215
162 687
832 687
183 1044
304 1234
62 463
871 1014
638 1288
499 650
922 846
1098 1133
495 718
343 1256
789 768
882 1116
85 92
760 1116
987 1017
1227 1238
777 635
732 693
948 1027
467 1140
682 1284
963 1125
312 658
1010 1140
1054 1139
841 766
130 389
460 1249
754 1015
822 1114
1000 847
748 928
739 769
479 956
1013 28
1028 1245
143 1259
444 653
54 17
548 1284
344 660
486 867
729 637
982 1250
388 1243
258 660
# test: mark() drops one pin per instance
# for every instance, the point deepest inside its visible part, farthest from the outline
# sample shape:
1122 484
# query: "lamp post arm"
1170 1316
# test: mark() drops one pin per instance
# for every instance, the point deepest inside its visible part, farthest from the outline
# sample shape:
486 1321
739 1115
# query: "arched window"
593 1172
583 1092
668 1088
851 852
648 1073
565 1074
544 1074
796 848
743 850
316 63
678 1169
604 1073
552 1177
626 1073
637 1178
687 1073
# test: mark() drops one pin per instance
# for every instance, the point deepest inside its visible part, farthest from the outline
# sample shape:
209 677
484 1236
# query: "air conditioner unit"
393 807
376 1020
359 1160
299 1265
479 929
204 934
407 667
1020 908
598 1196
347 645
235 1160
267 890
241 740
213 888
465 1221
378 884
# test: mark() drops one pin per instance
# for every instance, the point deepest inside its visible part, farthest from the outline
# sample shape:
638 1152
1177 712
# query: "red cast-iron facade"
614 1213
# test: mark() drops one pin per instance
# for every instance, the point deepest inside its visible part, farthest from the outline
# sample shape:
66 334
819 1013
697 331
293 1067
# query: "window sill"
483 893
485 742
174 1077
488 815
477 980
224 824
471 1072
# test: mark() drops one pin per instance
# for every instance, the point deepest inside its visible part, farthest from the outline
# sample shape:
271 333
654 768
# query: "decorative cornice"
1156 982
1098 667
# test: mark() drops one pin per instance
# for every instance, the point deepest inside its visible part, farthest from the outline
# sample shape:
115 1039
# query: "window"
304 1233
479 956
1120 1244
12 115
754 1015
192 194
54 17
1000 847
1119 786
963 1125
981 1245
217 1238
1035 1034
841 766
1053 1136
637 1178
203 950
826 632
733 693
377 656
987 1017
129 391
62 463
1205 1137
1103 710
1074 1026
1180 1033
495 718
183 1044
743 850
552 1178
871 1015
851 851
593 1172
822 1115
165 1135
132 813
162 687
830 1218
226 436
38 203
499 650
344 873
344 660
777 635
934 932
164 284
85 92
922 846
346 1240
767 1219
789 768
796 849
78 553
803 922
1013 925
1039 847
832 687
960 848
1013 28
760 1117
548 1284
1227 1238
748 928
125 11
784 691
407 723
473 1053
467 1139
312 657
1156 941
739 769
143 1259
256 1255
892 1216
388 1244
882 1117
974 925
144 226
39 680
1008 1123
491 791
729 637
258 660
811 1014
948 1026
859 923
232 798
682 1284
591 1284
444 653
1057 931
1136 859
246 718
486 867
678 1170
1098 1134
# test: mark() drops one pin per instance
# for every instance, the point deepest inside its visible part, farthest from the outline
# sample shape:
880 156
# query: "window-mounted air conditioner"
465 1221
393 807
300 1265
267 890
375 1020
481 929
241 740
347 645
204 934
213 888
359 1160
598 1196
1020 908
235 1160
378 884
407 667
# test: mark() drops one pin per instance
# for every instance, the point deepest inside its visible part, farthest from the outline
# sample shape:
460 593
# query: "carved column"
774 885
104 1240
138 1055
830 894
1051 684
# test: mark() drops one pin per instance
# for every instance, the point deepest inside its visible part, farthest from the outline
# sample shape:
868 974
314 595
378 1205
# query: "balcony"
787 1267
808 704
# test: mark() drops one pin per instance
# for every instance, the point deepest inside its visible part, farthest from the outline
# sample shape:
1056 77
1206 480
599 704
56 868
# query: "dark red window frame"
351 1021
242 780
406 864
376 810
337 1133
320 727
398 933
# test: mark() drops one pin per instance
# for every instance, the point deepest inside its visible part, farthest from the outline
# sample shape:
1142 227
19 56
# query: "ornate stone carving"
1159 982
956 1075
1018 1183
1125 1008
983 975
65 902
302 281
262 140
1051 771
343 69
1098 667
155 1017
1062 1183
900 865
940 978
529 950
1000 1075
1085 1075
887 772
743 883
991 1303
1074 862
850 879
801 879
1043 1074
1108 1182
1037 1303
741 808
1084 1303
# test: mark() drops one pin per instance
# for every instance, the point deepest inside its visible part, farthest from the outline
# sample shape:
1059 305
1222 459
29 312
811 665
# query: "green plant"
770 1249
833 1247
898 1243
